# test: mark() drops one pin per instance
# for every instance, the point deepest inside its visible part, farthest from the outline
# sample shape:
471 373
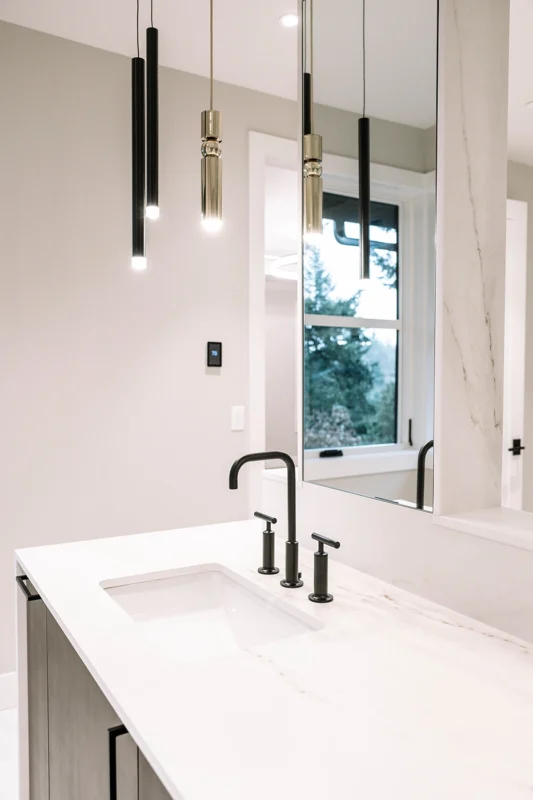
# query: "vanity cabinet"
37 677
69 723
150 787
79 717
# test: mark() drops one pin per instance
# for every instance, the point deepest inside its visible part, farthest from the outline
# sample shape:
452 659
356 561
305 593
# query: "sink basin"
207 611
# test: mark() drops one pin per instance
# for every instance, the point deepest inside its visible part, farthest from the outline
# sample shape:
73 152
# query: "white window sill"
279 475
362 464
503 525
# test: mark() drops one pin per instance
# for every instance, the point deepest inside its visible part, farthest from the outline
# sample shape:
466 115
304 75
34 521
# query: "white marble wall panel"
471 214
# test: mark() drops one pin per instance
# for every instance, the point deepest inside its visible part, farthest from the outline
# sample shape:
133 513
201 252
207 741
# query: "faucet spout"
292 576
291 482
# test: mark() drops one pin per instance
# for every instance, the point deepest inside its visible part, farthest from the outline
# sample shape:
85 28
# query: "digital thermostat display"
214 354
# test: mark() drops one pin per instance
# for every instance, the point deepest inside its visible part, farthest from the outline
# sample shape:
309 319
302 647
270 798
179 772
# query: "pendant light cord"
138 45
211 53
364 58
152 12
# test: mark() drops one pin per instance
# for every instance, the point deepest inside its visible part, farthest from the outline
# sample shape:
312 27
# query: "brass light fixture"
312 142
211 154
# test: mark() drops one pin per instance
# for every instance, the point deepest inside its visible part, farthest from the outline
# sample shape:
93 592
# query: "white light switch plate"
237 418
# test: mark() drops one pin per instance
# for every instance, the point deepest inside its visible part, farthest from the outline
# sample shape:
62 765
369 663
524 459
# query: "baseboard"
8 690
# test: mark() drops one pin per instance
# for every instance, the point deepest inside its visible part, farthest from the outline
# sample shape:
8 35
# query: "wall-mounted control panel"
214 354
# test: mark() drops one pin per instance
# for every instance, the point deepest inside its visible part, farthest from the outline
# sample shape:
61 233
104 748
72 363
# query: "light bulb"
138 263
289 20
212 225
152 212
314 238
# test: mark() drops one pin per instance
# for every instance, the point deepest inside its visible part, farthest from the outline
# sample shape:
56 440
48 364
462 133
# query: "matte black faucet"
292 576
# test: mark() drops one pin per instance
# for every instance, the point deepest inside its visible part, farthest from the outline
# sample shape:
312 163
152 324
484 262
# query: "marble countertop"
394 697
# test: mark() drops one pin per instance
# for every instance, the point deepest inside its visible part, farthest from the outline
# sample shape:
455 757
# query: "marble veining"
495 399
471 218
393 696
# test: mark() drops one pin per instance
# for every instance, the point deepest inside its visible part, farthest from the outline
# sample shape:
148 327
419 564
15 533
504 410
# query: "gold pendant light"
312 142
211 155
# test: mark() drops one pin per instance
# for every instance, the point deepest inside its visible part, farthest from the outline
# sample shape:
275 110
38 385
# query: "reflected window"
352 330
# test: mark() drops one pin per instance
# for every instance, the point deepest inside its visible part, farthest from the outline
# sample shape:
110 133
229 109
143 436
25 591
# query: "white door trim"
514 352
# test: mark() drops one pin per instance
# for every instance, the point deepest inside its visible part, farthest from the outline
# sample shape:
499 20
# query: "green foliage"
348 400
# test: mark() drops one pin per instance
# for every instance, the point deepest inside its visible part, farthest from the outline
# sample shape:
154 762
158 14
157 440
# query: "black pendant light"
152 119
364 173
138 157
306 93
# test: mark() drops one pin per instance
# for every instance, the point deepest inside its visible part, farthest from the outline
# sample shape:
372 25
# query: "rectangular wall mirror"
368 390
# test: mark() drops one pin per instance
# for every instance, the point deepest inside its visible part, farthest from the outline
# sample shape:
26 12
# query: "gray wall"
111 423
391 144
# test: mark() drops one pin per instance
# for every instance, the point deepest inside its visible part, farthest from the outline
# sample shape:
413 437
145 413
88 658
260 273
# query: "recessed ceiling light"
289 20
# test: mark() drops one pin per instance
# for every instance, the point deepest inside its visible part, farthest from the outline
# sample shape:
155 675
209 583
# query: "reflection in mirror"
369 344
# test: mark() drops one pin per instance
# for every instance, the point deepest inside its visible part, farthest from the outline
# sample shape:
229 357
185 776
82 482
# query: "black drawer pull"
21 580
114 733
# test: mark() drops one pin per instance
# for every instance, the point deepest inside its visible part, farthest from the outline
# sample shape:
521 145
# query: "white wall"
281 422
111 423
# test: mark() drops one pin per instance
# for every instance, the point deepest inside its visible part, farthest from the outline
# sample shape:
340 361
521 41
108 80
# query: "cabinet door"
37 678
79 720
150 787
126 778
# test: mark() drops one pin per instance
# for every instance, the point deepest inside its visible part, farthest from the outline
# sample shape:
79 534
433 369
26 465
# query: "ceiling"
253 50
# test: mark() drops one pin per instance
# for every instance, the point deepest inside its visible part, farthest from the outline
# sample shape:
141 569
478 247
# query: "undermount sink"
207 611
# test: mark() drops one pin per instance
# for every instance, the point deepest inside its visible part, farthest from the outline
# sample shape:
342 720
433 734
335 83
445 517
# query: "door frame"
514 352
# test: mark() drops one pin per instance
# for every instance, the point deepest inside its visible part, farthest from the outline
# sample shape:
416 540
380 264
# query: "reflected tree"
348 400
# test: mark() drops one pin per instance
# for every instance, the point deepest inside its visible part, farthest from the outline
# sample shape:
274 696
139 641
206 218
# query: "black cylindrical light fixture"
138 163
307 100
364 173
152 123
364 196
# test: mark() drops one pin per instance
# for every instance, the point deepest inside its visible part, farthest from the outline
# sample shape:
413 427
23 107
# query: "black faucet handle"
321 594
259 515
324 540
268 567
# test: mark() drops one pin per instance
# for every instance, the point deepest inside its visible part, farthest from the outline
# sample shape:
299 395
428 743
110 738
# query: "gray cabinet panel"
79 719
69 721
37 699
150 787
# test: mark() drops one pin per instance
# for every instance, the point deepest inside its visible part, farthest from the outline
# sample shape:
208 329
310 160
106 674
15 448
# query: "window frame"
414 194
